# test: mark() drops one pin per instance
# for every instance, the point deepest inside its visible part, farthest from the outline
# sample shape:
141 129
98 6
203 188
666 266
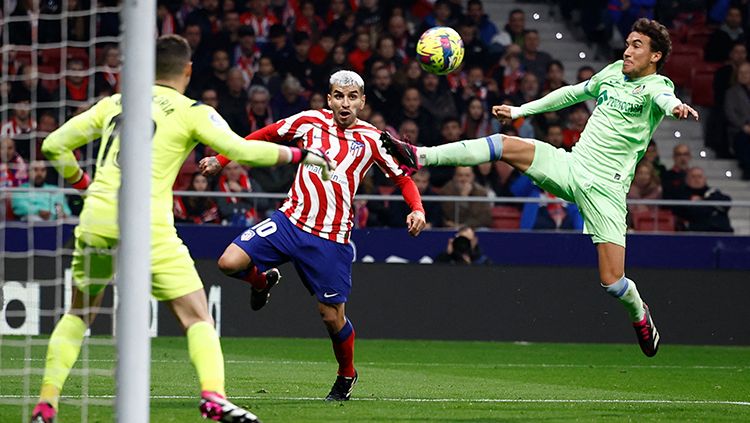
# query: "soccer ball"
440 50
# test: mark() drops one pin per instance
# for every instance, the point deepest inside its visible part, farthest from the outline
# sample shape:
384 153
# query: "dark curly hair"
660 40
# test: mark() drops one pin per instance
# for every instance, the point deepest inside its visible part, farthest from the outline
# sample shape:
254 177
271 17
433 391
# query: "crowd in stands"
259 61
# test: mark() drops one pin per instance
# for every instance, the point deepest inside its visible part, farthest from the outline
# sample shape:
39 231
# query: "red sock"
256 279
343 348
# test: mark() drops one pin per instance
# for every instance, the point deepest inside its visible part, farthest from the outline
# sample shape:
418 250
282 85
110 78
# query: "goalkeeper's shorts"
173 273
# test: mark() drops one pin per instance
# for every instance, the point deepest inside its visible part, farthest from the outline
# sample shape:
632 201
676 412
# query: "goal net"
58 58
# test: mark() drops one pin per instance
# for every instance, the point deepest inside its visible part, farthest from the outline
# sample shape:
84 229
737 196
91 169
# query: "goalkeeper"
179 124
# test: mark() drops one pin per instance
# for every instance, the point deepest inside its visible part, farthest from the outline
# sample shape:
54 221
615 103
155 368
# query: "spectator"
514 31
299 64
279 49
716 125
267 76
385 52
165 21
402 39
382 95
361 52
317 101
236 211
646 185
24 88
720 43
207 18
210 97
450 131
584 73
576 123
368 14
652 156
409 131
433 210
336 10
475 51
217 80
476 122
20 124
39 206
201 56
411 108
463 249
507 73
554 134
495 177
673 180
555 75
246 54
532 59
487 29
107 81
319 52
704 218
436 97
76 82
528 90
337 60
308 22
409 76
477 86
229 36
259 114
289 101
441 16
13 169
462 213
737 112
196 209
260 18
233 102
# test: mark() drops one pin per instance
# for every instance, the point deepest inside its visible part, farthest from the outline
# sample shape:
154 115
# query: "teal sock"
626 291
463 153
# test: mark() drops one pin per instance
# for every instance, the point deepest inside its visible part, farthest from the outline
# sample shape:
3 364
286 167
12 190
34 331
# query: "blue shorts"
324 266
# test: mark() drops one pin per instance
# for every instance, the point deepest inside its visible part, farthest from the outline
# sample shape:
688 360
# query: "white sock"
626 291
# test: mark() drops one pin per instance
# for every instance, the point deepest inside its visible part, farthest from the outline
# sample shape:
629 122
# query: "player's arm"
59 145
210 129
671 105
268 133
415 221
556 100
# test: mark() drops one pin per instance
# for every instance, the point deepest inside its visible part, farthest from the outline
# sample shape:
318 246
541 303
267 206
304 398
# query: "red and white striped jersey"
326 209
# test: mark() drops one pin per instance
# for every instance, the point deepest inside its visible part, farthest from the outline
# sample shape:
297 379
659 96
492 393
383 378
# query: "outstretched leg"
516 151
236 263
612 275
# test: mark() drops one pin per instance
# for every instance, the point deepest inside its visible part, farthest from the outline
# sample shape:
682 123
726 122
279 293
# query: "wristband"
223 161
83 182
297 155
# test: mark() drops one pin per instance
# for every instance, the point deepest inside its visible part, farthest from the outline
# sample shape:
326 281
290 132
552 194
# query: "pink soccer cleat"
43 413
216 407
648 336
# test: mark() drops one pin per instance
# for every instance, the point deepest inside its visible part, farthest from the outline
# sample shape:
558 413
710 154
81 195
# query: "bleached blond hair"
347 78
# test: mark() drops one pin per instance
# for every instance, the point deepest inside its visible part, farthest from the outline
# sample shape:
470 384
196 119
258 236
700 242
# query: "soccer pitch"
284 380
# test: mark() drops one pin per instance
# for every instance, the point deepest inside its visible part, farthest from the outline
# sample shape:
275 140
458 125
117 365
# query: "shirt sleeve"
410 192
556 100
81 129
664 97
212 130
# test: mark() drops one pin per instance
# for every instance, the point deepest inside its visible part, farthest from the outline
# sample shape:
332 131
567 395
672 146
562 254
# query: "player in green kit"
631 99
179 124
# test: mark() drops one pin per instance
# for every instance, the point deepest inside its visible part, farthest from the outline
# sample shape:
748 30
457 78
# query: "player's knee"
230 264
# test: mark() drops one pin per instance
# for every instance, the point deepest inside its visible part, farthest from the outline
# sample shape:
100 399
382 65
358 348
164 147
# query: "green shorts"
173 272
600 201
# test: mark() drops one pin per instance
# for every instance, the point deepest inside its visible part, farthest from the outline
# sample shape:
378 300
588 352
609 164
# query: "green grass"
283 380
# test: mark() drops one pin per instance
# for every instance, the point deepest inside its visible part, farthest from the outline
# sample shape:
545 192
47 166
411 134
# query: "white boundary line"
435 400
442 364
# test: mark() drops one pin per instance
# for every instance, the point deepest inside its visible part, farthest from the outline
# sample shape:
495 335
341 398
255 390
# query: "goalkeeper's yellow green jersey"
180 123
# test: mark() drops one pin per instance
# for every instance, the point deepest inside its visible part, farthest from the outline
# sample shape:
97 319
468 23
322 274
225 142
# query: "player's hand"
318 157
209 166
683 111
501 112
415 222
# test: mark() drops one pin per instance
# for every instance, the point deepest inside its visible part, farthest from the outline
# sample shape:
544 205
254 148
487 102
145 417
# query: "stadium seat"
698 36
680 63
506 217
701 85
645 221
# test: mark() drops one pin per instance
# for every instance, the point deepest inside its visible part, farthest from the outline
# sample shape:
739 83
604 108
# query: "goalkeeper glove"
314 157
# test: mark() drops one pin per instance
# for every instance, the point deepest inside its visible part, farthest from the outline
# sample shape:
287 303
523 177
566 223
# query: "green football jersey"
626 115
180 123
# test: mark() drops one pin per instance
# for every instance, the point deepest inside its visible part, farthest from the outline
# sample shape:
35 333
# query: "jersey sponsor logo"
247 235
627 108
639 89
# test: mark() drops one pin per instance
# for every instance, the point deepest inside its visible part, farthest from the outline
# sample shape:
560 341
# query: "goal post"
134 275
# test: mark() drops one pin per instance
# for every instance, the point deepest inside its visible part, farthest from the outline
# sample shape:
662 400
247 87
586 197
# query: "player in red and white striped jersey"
312 227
